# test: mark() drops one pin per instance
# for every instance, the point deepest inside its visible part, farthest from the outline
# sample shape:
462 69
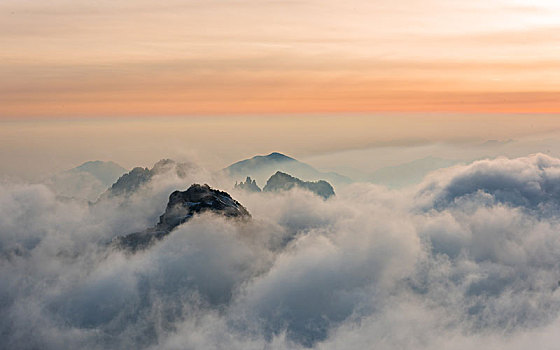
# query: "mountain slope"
284 182
130 182
106 172
261 168
182 206
86 181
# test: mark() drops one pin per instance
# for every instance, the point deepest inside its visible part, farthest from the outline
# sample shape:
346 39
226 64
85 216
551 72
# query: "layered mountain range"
261 168
285 182
95 180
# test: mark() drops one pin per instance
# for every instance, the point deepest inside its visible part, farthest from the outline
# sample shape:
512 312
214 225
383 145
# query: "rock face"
138 177
182 206
249 185
283 182
130 181
198 199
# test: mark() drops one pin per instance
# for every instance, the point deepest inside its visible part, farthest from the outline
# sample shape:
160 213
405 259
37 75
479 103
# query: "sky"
81 58
329 82
444 114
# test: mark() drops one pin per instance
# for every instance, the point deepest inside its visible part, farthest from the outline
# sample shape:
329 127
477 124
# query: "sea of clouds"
470 258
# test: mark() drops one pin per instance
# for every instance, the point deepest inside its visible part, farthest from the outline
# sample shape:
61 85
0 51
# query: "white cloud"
467 259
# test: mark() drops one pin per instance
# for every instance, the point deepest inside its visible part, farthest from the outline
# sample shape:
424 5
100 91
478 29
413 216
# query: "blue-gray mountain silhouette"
137 177
106 172
284 182
261 168
249 185
86 181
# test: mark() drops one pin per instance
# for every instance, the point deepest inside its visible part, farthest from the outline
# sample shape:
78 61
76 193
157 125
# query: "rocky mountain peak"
182 206
283 182
249 185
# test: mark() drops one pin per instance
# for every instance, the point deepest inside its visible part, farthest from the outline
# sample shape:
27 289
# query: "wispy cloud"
254 56
467 257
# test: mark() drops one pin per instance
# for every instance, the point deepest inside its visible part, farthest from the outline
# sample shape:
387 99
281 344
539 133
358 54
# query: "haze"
111 58
33 149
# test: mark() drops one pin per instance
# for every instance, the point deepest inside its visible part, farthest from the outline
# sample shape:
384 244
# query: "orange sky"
147 57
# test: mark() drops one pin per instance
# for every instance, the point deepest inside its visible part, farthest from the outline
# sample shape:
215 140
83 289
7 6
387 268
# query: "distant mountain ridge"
262 168
86 181
285 182
106 171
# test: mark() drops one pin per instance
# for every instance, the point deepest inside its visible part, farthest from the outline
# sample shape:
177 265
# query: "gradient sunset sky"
145 57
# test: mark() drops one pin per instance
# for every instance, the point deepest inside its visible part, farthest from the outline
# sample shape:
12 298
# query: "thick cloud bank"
470 258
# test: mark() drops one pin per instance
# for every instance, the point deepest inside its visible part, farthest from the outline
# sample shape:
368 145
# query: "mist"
467 258
354 145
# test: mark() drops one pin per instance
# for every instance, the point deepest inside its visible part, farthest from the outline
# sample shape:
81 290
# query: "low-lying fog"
468 258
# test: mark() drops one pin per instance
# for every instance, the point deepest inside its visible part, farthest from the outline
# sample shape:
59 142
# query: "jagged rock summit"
182 206
283 182
249 185
198 199
130 181
138 177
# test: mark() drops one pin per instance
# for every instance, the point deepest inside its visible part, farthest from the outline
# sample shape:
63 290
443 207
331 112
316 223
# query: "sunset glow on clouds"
279 174
83 58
